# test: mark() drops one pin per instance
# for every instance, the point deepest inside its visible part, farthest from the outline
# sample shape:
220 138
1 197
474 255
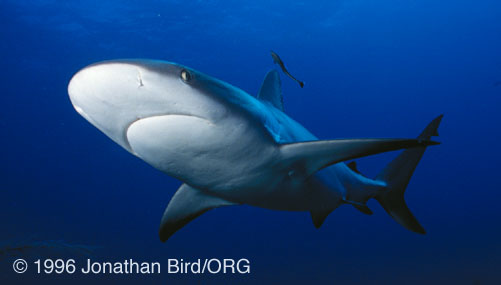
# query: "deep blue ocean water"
371 69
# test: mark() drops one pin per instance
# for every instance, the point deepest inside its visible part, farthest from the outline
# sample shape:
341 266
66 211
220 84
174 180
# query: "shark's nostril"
79 110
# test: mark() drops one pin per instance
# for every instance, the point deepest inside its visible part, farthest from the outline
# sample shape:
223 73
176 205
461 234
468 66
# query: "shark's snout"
112 95
98 93
88 91
76 92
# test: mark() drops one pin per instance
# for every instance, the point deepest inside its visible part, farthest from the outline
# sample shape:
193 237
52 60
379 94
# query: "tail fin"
397 175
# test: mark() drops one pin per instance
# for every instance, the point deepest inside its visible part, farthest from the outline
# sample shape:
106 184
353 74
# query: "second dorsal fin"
353 166
271 90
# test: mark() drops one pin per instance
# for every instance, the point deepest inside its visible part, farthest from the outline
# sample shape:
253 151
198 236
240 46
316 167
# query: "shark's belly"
223 156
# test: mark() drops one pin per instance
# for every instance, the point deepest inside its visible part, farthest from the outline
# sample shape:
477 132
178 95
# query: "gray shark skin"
231 148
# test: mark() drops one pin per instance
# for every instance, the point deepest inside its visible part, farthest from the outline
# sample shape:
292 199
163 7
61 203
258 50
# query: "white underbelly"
218 156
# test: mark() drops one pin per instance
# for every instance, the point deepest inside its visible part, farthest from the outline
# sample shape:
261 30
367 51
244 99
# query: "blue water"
371 69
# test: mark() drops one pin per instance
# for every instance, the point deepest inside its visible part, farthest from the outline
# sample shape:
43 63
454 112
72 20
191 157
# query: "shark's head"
185 123
113 95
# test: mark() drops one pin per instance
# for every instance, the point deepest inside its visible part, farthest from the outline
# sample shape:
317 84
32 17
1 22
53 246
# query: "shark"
228 147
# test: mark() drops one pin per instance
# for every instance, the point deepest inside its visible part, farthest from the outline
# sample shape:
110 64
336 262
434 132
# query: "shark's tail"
397 174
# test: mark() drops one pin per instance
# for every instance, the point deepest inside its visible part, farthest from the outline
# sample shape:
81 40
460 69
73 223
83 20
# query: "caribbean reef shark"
231 148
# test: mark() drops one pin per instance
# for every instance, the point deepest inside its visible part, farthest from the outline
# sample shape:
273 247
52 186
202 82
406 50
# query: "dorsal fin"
271 90
353 166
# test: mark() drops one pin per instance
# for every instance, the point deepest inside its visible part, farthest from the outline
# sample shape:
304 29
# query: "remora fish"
278 60
231 148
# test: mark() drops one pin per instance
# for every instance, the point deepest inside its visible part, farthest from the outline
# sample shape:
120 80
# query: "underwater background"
371 69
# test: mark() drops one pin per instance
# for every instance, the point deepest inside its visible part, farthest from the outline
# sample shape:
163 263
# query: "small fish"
497 83
277 60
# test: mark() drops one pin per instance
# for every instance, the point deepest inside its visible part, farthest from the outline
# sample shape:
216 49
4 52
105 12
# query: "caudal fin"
397 175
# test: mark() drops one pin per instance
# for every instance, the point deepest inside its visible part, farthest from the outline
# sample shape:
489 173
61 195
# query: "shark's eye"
185 75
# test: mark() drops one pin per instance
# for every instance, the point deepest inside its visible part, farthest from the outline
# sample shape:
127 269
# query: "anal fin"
187 204
318 217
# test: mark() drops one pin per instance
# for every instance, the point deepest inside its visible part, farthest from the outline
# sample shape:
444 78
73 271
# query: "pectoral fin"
187 204
312 156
